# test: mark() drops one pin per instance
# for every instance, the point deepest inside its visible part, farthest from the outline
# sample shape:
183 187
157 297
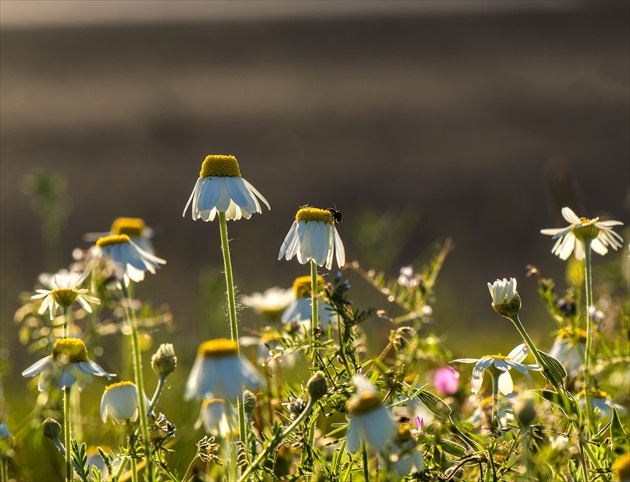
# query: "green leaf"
553 369
434 404
617 432
453 448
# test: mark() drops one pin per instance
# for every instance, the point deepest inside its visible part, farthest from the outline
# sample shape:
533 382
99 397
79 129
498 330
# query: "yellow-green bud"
249 402
164 361
317 386
509 309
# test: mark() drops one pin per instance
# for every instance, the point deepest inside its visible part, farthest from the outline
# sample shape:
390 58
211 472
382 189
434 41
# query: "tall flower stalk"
229 279
314 307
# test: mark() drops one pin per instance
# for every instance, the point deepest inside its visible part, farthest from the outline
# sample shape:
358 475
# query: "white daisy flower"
601 403
569 348
405 457
214 417
370 421
120 403
270 304
482 415
502 364
300 310
64 290
313 237
220 188
502 291
131 260
572 237
67 364
139 233
220 372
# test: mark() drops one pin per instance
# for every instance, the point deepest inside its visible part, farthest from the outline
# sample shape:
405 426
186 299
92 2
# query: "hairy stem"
229 282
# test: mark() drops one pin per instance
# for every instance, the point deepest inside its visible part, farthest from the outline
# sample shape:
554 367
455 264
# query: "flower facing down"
370 421
499 365
220 372
602 404
270 304
568 348
300 309
313 237
120 403
214 417
406 458
131 260
572 237
67 364
139 233
220 188
64 290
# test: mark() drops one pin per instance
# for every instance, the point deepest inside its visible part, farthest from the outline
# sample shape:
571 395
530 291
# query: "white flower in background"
270 351
601 403
571 238
270 304
220 188
120 403
139 233
569 348
131 260
502 291
370 421
406 457
64 290
220 372
502 364
67 364
214 417
313 237
408 279
482 415
300 309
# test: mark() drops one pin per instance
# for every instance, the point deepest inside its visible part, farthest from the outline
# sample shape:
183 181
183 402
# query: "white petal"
353 439
598 247
518 353
37 367
257 194
190 199
339 248
569 215
505 383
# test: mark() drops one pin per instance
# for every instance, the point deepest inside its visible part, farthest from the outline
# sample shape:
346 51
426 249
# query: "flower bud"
526 412
52 428
317 386
249 402
164 361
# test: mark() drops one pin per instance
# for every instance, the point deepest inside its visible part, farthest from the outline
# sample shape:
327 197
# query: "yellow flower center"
212 401
364 403
217 348
113 239
621 467
575 333
594 392
133 227
64 297
307 214
70 350
404 433
302 286
117 385
220 166
496 357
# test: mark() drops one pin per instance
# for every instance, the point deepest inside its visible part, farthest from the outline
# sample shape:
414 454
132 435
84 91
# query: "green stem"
276 439
495 401
120 470
137 366
314 307
158 392
225 246
66 328
366 467
67 434
588 286
4 475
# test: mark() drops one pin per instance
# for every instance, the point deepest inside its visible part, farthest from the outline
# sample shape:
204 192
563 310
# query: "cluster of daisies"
224 382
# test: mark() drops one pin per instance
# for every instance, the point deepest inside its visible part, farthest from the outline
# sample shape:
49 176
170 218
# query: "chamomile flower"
571 238
270 304
139 233
67 364
300 309
501 364
568 348
64 290
313 237
220 372
406 457
601 403
370 421
220 188
214 417
120 403
131 260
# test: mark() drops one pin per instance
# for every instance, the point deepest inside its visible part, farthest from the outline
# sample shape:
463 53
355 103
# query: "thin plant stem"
67 434
314 307
229 282
158 392
4 474
588 355
366 467
137 366
495 402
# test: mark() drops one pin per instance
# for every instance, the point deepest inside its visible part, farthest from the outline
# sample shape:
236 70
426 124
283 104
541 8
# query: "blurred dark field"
465 119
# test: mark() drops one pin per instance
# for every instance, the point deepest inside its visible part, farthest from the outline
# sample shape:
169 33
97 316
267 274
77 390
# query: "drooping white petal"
257 194
339 248
505 383
353 436
518 353
37 367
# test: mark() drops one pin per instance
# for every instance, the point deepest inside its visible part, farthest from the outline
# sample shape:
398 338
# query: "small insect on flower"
336 214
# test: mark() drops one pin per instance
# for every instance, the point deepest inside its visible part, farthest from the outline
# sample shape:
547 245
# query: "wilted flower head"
67 364
220 188
313 237
64 290
572 238
370 421
220 372
501 365
131 260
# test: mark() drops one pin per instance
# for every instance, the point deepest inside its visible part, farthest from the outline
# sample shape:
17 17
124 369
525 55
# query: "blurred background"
421 121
